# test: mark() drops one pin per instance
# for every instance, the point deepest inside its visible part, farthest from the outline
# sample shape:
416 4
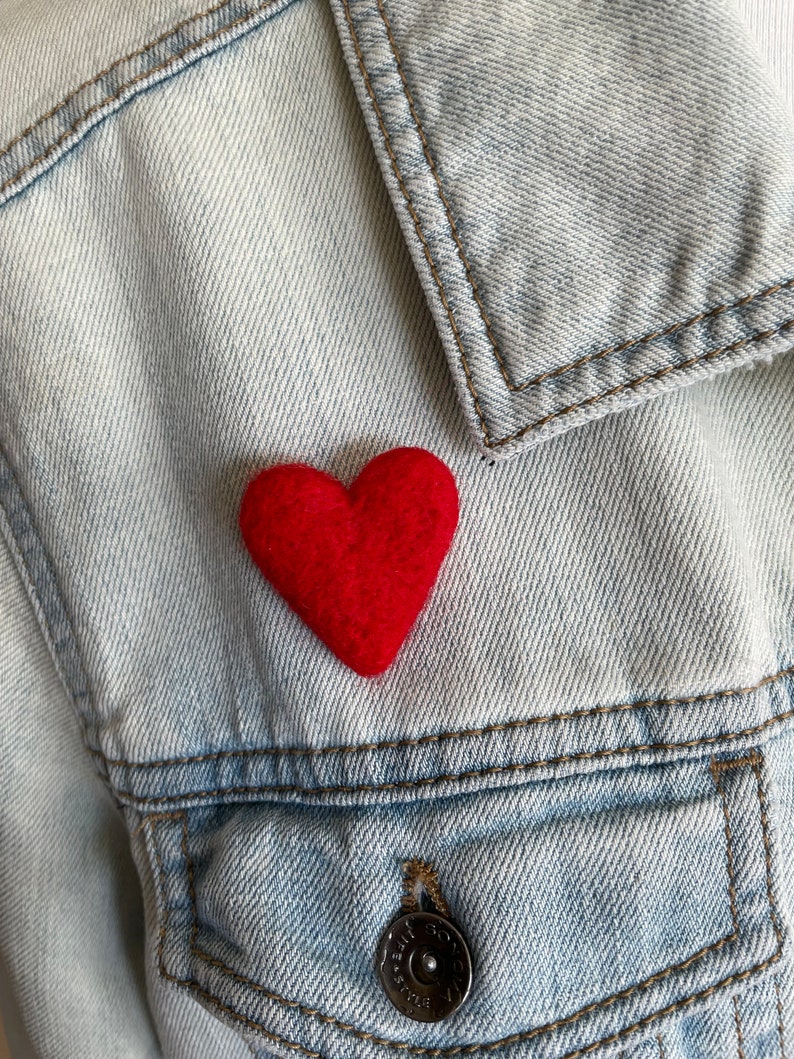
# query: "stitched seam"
417 224
442 195
755 762
488 440
760 336
108 69
780 1034
715 775
33 590
161 886
665 332
586 755
465 733
662 1054
676 1006
739 1035
588 358
164 65
753 759
191 879
194 986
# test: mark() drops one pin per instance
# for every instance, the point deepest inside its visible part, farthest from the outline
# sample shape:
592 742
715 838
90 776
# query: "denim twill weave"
587 732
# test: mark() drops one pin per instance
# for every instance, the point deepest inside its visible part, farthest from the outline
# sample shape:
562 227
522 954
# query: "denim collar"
598 203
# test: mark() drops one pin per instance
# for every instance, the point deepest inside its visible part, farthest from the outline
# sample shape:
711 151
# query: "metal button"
425 966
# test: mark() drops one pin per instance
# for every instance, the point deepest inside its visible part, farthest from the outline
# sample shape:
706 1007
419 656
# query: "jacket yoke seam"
141 76
464 733
107 70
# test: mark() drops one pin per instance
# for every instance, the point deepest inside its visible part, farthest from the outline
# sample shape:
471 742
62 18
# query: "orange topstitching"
464 733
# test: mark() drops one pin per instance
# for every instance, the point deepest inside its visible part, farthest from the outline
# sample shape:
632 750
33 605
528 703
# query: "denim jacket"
551 243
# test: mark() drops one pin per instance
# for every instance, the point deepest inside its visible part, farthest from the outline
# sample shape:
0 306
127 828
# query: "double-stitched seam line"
442 195
665 332
780 1032
739 1035
464 733
109 69
194 986
716 768
754 759
760 336
151 821
586 755
33 587
678 1005
191 881
143 75
488 440
590 357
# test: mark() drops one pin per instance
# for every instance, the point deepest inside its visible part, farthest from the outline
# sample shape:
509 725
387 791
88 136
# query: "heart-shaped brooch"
357 564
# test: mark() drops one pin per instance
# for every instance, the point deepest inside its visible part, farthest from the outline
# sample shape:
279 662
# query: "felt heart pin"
356 564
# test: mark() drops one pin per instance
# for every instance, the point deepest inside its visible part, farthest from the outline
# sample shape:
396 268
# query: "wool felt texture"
357 564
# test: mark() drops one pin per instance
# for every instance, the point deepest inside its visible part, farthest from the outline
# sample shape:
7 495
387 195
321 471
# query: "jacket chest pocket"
597 908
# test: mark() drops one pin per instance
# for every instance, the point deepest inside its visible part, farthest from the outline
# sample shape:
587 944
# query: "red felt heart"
356 564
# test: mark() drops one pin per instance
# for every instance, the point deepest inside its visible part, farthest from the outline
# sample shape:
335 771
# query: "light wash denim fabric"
627 225
588 732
